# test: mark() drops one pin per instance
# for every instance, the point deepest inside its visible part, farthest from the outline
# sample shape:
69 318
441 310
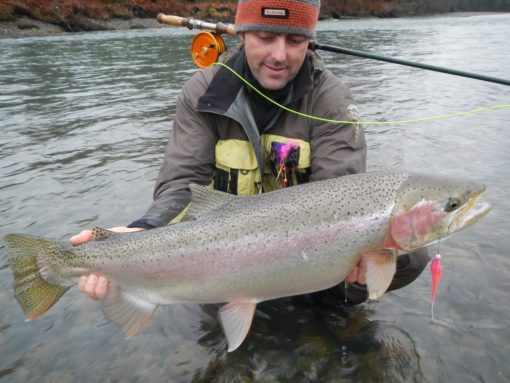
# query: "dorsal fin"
100 234
205 200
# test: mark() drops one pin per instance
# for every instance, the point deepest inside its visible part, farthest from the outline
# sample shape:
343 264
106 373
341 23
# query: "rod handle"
178 21
172 20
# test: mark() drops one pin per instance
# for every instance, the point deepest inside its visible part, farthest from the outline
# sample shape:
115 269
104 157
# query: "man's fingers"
82 283
358 273
353 275
84 236
90 286
101 288
124 229
362 272
95 286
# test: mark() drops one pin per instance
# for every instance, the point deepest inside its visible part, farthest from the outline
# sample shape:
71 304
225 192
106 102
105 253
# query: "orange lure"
436 269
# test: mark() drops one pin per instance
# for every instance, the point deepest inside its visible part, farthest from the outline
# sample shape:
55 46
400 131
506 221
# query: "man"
229 137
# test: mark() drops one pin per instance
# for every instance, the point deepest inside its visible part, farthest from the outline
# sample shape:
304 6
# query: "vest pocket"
236 169
225 180
287 161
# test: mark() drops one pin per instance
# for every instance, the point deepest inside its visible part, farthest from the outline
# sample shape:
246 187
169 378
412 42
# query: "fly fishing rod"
374 56
207 46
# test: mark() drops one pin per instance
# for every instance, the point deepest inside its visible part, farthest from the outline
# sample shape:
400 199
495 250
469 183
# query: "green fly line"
426 119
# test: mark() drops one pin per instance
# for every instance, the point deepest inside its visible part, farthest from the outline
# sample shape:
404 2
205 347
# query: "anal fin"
236 318
130 313
380 270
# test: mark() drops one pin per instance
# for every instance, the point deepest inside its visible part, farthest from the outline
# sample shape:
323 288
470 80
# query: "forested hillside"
63 12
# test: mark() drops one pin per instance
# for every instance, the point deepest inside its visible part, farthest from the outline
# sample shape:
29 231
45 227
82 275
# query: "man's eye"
296 40
265 36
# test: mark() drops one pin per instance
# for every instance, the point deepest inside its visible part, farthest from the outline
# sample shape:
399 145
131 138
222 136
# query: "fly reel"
206 48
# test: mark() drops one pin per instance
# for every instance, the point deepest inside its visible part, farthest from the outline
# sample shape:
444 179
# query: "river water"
84 121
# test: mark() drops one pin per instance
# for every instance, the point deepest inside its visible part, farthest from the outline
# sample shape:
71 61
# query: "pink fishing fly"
436 269
282 153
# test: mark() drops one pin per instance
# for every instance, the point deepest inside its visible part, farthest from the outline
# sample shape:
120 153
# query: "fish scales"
219 255
243 250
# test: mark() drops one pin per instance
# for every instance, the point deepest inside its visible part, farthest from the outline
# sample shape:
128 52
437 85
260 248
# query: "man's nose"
279 48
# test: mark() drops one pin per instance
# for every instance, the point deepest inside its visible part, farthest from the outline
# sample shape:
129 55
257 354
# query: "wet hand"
357 274
96 286
86 235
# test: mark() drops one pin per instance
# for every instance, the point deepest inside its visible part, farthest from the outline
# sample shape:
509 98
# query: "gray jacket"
215 112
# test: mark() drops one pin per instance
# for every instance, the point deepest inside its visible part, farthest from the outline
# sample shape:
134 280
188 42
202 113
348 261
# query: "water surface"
84 121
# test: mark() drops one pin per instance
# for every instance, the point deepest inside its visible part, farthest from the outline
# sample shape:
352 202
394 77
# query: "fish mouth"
473 211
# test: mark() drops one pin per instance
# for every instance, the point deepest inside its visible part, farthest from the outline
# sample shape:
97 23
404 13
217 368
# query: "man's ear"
241 36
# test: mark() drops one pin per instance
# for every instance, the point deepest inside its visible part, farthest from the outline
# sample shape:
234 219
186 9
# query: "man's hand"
94 285
357 274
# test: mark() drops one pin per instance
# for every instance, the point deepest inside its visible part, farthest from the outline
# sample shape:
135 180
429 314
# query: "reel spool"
206 48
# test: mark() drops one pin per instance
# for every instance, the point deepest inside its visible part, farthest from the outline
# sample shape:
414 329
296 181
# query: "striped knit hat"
278 16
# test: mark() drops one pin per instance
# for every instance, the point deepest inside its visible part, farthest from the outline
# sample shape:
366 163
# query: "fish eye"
452 204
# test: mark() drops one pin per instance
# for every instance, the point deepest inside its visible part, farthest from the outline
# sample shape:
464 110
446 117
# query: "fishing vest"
286 163
248 162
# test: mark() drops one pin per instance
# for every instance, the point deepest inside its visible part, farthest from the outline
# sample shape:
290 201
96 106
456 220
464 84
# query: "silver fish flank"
244 250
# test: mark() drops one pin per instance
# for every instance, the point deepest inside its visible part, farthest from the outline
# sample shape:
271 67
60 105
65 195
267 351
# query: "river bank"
27 27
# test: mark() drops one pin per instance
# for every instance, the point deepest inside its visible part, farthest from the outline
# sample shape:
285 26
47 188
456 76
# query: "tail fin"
34 294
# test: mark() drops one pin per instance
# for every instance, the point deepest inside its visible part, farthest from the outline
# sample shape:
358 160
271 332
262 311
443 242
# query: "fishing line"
410 121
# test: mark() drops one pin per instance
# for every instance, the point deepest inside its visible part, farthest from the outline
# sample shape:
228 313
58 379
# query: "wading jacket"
215 139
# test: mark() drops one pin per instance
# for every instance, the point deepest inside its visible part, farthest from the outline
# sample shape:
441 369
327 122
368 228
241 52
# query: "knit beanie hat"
278 16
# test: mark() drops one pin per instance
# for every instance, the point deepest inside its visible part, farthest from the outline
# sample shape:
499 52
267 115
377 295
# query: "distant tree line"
70 13
395 8
416 6
462 5
483 5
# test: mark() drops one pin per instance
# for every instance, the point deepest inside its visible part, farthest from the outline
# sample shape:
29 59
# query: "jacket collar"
224 88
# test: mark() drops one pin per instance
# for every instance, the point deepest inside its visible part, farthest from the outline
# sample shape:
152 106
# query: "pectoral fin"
380 270
130 313
236 318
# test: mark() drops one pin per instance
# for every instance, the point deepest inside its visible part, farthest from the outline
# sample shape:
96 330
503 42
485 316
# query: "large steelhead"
244 250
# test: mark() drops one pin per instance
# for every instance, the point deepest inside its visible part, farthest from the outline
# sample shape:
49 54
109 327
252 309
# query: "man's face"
274 58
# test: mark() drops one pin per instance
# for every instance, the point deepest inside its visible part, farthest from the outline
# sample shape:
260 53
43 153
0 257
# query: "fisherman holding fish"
227 136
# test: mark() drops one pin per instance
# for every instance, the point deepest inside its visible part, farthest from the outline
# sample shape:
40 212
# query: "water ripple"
85 119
